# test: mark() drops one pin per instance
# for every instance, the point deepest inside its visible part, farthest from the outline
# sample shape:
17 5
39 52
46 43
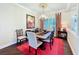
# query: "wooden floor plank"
11 50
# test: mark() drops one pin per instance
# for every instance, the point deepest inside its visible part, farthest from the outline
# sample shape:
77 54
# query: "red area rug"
57 48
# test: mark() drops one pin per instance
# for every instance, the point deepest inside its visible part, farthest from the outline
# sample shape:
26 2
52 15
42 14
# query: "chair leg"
52 42
26 40
17 41
35 51
29 49
50 45
20 41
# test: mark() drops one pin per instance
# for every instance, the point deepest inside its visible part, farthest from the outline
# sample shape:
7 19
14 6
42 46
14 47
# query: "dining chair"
20 35
49 39
33 41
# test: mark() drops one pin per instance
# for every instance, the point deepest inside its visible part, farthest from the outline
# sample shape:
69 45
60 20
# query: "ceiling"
50 6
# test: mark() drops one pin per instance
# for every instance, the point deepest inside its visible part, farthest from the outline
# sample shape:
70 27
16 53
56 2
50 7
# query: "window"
74 24
50 23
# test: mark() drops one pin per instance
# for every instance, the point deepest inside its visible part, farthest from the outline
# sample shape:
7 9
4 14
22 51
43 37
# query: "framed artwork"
74 23
30 21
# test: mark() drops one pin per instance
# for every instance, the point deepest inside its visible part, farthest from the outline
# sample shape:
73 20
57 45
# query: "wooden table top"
43 34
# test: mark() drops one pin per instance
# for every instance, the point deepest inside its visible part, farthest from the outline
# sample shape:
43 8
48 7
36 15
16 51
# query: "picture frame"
30 21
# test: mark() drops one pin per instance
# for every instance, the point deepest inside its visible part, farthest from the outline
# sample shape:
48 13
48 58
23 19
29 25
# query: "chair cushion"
47 40
38 44
21 37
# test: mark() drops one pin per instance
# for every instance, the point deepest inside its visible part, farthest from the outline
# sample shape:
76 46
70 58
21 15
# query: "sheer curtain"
50 24
58 22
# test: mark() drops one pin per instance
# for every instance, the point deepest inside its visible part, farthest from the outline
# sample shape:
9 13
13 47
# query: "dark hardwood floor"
67 49
11 50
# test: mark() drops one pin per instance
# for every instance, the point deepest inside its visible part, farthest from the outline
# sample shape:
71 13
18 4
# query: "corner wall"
73 38
12 17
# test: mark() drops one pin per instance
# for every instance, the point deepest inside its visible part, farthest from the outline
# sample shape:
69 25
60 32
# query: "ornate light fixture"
43 6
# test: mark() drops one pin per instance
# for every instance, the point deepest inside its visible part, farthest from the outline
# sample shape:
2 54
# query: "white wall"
73 39
12 17
67 17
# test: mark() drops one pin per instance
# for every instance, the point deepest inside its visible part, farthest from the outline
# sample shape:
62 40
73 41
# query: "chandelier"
43 6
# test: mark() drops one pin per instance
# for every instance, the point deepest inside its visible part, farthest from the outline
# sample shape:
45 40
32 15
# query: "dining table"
43 35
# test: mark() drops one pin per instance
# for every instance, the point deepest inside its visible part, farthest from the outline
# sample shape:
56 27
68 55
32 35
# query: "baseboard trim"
73 51
11 43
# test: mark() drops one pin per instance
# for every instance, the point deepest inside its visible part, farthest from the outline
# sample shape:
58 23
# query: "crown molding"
25 8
